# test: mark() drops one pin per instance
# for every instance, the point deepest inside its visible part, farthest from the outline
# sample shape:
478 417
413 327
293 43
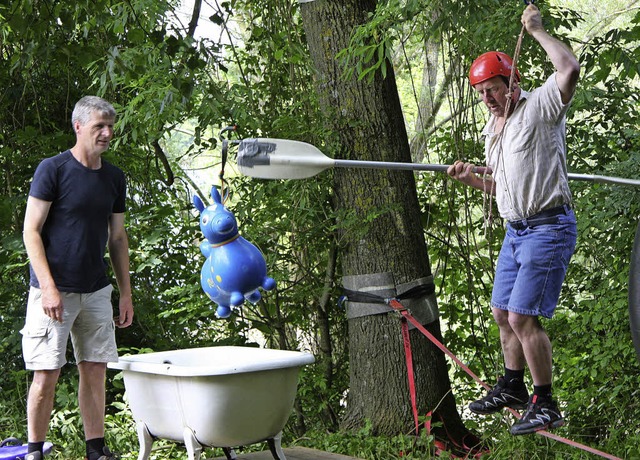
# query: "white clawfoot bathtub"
216 396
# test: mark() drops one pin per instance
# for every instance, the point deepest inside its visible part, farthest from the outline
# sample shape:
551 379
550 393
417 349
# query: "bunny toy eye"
205 220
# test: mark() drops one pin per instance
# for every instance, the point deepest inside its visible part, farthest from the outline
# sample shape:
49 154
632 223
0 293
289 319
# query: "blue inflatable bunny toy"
235 268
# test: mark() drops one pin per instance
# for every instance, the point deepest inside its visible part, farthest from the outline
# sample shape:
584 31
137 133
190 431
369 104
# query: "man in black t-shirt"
75 210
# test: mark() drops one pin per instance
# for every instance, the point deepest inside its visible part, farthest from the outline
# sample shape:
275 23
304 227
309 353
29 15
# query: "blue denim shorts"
532 265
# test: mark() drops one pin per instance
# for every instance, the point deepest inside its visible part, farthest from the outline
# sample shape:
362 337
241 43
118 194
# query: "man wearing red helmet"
525 149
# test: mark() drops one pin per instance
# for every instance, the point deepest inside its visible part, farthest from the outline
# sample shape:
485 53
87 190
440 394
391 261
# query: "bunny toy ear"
215 194
197 202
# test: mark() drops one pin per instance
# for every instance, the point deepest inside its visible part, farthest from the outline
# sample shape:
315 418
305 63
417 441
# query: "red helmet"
489 65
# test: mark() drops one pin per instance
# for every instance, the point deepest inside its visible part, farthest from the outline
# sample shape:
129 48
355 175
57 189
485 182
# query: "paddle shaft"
398 166
477 170
315 165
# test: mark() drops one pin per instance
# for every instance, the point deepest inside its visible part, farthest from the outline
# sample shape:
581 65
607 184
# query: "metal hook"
228 128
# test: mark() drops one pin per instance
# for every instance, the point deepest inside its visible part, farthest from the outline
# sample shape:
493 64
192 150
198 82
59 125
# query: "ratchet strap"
407 317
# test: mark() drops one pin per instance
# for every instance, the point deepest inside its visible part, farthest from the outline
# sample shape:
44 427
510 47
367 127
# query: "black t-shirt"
76 230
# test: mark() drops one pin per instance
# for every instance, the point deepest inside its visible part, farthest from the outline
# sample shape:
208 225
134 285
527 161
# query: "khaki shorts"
88 318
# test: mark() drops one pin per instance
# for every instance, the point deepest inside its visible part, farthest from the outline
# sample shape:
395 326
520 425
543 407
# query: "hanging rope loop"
514 66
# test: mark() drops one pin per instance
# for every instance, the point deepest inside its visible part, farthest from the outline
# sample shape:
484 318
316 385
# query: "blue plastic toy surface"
235 269
10 451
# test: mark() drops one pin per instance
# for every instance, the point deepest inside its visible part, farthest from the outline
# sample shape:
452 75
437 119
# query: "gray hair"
89 104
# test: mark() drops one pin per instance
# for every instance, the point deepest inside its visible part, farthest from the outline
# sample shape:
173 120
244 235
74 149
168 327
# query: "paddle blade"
280 159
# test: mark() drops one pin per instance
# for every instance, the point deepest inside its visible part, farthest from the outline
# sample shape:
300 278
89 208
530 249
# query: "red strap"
412 382
399 307
406 316
569 442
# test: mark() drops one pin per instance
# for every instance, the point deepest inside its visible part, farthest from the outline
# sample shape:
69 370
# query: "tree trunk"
388 236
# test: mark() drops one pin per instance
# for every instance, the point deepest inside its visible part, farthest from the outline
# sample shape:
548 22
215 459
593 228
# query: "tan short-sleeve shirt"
528 157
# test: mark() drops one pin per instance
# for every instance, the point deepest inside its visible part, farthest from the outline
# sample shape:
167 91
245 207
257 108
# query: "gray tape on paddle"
424 308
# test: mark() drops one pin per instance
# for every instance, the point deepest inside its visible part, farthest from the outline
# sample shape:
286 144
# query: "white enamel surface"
228 396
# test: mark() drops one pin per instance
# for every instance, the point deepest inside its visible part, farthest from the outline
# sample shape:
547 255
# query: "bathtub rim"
265 359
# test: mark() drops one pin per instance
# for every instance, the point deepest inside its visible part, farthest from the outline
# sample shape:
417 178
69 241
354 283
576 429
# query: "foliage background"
176 89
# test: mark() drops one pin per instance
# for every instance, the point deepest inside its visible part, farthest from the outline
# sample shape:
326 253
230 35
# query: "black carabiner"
528 2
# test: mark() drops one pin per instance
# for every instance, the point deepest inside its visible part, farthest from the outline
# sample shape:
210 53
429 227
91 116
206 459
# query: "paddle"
286 159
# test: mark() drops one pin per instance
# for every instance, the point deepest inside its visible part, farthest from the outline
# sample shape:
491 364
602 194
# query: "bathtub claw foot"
145 439
194 449
229 453
275 446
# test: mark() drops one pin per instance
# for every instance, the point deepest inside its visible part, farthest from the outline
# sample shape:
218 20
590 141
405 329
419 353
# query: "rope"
514 64
507 113
488 217
223 163
507 108
512 77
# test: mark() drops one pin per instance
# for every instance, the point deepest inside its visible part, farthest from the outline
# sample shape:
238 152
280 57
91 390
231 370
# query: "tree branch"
160 155
195 15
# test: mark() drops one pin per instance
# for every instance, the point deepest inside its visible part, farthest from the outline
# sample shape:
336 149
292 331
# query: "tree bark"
387 237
